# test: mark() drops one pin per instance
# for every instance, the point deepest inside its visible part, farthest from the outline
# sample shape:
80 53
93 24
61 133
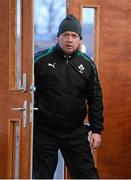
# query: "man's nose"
69 38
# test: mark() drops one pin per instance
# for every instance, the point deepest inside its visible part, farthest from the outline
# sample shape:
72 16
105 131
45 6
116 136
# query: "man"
66 84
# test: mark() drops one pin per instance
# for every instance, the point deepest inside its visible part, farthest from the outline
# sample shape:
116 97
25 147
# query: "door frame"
18 97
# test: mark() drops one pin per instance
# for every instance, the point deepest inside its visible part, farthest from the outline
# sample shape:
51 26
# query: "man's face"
69 42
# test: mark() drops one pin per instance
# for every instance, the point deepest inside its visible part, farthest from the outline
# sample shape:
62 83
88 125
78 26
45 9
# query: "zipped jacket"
67 89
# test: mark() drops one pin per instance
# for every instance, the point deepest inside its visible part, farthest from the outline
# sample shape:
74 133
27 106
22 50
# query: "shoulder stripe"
86 58
43 53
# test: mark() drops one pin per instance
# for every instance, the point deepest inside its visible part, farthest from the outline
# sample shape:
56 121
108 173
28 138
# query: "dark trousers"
75 150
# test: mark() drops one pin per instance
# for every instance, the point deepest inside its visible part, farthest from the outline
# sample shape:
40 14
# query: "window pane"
47 16
88 24
17 145
18 40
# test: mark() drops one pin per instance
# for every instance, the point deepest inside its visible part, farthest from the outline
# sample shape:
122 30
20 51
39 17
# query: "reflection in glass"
18 29
47 16
88 25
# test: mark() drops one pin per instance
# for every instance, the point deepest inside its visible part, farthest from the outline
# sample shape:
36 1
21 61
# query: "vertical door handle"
24 110
32 109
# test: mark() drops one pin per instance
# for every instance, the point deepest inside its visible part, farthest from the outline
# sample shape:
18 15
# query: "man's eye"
75 36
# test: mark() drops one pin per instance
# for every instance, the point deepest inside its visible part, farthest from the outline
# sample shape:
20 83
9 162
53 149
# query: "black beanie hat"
70 23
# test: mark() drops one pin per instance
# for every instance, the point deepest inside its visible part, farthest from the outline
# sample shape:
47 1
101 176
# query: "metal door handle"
24 110
32 109
35 109
18 109
32 88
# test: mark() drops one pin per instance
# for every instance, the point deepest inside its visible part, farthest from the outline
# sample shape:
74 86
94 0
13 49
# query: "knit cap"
70 23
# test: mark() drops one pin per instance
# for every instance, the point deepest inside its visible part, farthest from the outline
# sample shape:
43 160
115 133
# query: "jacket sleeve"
95 102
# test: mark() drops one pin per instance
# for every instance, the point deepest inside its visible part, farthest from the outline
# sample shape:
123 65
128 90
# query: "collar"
60 52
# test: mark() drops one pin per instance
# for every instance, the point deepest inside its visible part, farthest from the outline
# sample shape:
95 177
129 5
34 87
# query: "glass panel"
16 146
88 25
18 41
47 16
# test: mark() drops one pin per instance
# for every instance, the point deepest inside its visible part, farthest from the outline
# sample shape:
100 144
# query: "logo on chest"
52 65
81 68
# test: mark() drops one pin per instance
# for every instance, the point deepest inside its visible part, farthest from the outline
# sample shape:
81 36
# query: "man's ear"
81 42
80 45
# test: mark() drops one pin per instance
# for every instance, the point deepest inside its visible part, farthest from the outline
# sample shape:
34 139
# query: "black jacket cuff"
97 131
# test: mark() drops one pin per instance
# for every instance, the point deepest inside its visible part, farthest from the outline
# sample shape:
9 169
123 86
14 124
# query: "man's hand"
95 140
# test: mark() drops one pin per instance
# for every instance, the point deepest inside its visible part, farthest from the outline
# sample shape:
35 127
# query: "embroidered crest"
81 68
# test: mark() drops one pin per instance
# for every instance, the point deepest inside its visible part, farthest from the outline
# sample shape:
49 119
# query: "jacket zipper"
66 59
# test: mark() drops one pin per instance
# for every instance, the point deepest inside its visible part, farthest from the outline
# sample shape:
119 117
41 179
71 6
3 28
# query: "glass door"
47 16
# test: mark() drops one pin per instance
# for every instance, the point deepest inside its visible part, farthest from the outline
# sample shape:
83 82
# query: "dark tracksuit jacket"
65 86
